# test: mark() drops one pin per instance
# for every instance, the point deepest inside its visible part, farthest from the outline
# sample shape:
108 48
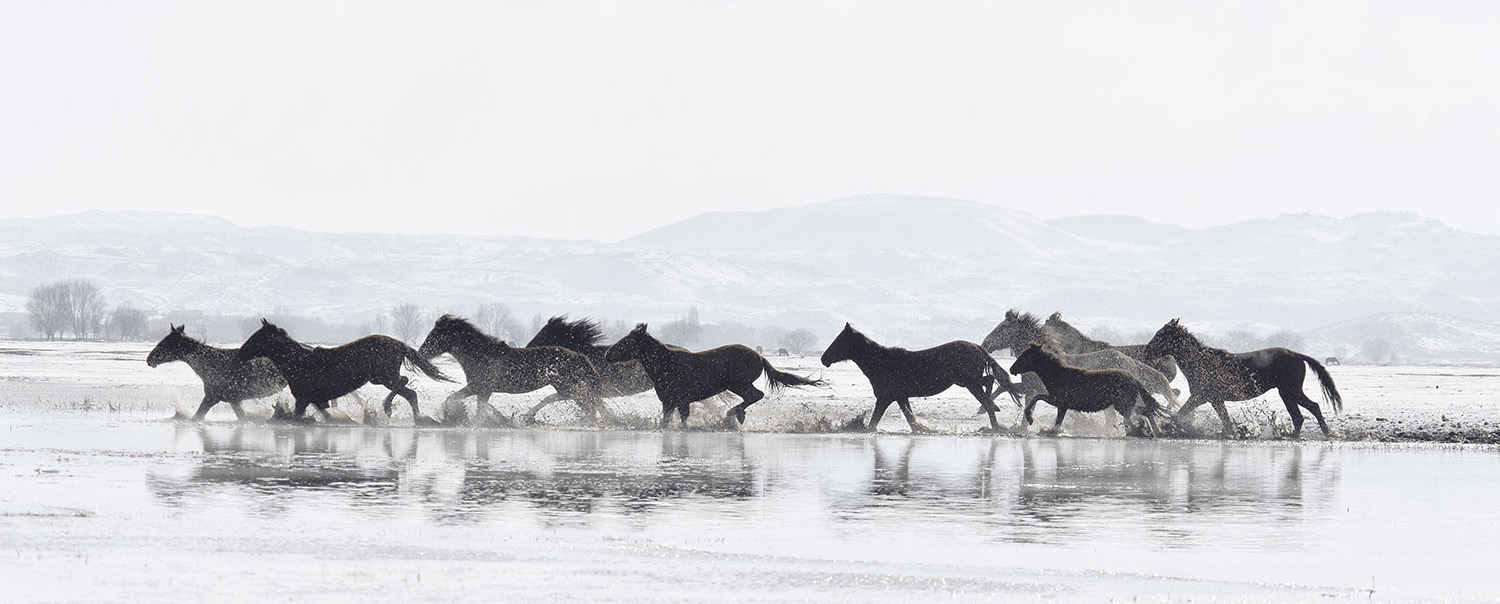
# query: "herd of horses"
1054 362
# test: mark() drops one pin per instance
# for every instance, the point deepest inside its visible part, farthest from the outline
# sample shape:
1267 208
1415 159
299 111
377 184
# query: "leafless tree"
85 307
798 339
495 319
128 323
48 309
407 321
684 331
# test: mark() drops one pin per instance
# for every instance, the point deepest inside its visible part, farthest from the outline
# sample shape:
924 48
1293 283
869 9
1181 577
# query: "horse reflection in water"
559 474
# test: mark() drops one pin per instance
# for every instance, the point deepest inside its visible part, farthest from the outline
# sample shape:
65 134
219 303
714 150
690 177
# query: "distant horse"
225 377
1215 376
1074 388
1020 330
318 375
683 377
897 374
583 336
490 365
1073 340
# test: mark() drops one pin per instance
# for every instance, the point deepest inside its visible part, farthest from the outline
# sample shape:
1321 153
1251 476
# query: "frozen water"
106 500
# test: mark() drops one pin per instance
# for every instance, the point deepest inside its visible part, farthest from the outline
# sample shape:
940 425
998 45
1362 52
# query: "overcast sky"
601 120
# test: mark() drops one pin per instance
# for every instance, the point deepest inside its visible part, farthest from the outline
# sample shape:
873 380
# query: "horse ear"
264 322
1057 316
179 328
639 328
1174 321
1010 314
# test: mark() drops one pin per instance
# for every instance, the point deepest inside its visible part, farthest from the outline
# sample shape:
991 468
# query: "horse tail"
999 381
1330 392
425 366
777 379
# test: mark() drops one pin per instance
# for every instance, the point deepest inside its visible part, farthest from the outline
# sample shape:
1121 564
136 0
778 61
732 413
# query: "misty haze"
782 302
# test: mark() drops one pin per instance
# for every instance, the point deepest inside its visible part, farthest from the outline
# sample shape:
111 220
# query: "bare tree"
684 331
1285 338
1378 351
128 323
407 321
48 309
85 307
495 319
798 339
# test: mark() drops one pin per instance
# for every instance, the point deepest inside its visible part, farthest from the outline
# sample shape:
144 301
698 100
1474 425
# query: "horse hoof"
426 422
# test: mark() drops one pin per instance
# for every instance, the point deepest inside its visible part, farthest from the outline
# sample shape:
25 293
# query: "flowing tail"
1330 392
1154 411
425 366
777 379
999 382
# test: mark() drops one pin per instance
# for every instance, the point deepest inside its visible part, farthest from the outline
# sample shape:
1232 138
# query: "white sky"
601 120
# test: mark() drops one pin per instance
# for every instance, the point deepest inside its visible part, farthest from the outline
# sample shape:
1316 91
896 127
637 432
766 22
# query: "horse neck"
470 345
864 351
1196 358
1027 334
204 358
653 354
1068 337
1045 365
288 353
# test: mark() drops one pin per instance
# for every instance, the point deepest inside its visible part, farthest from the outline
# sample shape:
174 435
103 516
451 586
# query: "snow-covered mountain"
907 270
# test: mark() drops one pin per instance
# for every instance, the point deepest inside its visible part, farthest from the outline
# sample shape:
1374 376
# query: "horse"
583 336
897 374
225 377
318 375
1075 388
1020 330
490 365
1072 340
1215 376
682 377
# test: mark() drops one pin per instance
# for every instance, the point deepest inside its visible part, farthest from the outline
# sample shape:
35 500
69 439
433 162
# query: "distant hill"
907 270
1409 338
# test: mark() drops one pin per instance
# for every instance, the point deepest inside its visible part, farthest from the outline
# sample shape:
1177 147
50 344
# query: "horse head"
844 347
1010 332
264 342
630 346
441 338
173 347
1030 359
1167 341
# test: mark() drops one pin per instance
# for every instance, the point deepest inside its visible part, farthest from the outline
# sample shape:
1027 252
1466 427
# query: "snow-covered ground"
106 498
1382 403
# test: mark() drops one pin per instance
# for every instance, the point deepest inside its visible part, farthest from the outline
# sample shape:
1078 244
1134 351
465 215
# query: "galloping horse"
1070 387
1215 376
583 336
490 365
897 374
1020 330
682 377
318 375
1072 340
225 377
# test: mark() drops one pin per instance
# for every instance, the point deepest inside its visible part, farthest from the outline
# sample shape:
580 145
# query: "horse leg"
989 406
911 418
454 411
1184 415
239 410
749 394
1223 411
682 413
880 405
203 407
666 415
1289 395
1057 425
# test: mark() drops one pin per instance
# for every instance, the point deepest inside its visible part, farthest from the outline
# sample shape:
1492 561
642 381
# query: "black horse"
1073 388
225 377
490 365
319 375
1022 329
897 374
682 377
1215 376
583 336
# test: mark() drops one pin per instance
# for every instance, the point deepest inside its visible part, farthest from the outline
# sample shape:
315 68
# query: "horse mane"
574 335
463 326
865 342
1179 331
1028 321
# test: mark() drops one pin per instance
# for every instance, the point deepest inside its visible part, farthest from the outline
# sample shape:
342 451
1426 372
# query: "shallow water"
100 507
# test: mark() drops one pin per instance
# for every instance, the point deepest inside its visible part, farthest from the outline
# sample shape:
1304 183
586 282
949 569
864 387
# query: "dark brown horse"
681 377
225 377
490 365
318 375
584 336
1073 341
897 374
1073 388
1215 376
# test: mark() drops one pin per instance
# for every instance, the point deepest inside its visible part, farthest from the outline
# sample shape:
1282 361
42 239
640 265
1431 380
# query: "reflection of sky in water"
1268 513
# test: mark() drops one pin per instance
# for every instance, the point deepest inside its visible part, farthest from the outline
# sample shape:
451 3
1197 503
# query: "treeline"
77 306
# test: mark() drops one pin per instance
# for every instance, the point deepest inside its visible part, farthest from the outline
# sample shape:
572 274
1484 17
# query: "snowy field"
106 497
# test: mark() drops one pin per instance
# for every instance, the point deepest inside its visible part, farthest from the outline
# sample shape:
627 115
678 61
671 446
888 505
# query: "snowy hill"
1409 338
910 271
